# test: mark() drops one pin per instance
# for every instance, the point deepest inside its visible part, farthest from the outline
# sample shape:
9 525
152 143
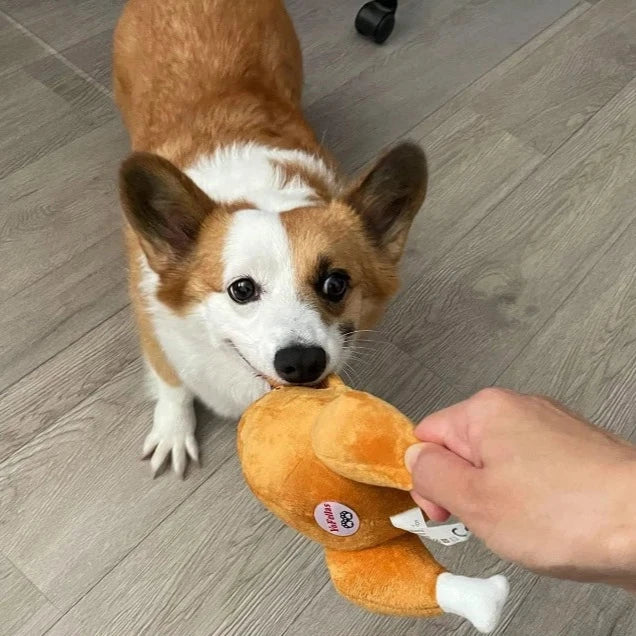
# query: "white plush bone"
480 601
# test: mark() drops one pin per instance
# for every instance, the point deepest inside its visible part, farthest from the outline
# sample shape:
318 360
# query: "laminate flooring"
520 271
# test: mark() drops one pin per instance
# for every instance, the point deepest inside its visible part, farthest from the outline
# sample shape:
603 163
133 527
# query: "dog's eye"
335 286
243 290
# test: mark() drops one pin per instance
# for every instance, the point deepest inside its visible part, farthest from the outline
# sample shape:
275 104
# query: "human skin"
536 482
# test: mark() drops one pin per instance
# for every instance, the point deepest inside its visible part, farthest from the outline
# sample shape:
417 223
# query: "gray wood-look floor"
521 271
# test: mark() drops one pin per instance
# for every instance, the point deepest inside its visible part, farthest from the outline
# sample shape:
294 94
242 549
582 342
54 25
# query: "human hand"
538 484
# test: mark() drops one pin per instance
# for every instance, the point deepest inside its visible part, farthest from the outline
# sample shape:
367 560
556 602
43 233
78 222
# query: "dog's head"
287 291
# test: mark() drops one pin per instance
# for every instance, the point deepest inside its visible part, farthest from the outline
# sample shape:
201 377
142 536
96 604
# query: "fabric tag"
447 534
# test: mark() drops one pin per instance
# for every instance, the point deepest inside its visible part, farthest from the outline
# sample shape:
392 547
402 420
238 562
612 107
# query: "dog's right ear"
164 207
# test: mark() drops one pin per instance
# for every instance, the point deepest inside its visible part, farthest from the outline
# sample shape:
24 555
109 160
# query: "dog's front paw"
172 434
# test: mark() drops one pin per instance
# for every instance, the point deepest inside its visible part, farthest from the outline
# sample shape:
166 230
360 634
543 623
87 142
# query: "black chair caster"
376 19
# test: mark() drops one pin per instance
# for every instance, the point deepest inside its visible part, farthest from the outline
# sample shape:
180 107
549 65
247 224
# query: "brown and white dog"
252 262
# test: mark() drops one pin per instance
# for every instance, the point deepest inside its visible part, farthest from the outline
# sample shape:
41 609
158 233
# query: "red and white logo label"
336 518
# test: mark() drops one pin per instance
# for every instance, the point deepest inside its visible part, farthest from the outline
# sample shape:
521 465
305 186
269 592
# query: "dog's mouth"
253 369
274 383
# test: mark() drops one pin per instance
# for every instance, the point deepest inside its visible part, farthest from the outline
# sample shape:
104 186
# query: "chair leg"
376 19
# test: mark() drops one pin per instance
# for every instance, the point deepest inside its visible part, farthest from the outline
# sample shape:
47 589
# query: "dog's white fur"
253 171
221 349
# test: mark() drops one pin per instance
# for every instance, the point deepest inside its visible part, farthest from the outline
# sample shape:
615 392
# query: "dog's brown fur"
191 76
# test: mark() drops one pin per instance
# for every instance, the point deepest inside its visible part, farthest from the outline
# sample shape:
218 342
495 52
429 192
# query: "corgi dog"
253 261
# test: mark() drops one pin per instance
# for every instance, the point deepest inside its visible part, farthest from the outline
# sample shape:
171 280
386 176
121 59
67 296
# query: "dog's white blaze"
257 246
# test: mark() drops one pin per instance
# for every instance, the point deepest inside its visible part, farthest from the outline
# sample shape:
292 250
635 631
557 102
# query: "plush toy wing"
364 439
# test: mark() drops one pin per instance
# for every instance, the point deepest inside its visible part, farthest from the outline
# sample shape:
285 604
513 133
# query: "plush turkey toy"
330 463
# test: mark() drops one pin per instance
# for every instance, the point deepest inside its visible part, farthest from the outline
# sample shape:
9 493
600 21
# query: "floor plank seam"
626 382
587 274
628 608
545 156
502 63
77 254
423 365
405 43
23 573
55 355
304 607
503 626
438 260
55 53
44 430
141 540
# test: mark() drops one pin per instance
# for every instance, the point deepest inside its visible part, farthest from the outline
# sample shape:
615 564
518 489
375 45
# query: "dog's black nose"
299 365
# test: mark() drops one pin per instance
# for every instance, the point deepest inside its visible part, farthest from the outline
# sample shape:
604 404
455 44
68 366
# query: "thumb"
442 477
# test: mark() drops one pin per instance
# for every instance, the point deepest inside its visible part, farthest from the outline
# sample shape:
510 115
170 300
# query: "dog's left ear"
389 196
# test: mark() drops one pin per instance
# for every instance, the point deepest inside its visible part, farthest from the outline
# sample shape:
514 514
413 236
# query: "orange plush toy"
330 463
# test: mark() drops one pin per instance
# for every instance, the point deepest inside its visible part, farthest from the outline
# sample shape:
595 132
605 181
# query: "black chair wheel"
375 21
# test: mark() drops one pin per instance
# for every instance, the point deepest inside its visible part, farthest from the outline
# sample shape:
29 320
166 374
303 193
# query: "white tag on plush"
447 534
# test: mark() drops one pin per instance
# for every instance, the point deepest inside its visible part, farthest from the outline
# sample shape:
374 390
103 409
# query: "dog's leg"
174 422
172 432
173 425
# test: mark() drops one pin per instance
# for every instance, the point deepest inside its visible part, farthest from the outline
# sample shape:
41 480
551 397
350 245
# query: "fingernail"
411 455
